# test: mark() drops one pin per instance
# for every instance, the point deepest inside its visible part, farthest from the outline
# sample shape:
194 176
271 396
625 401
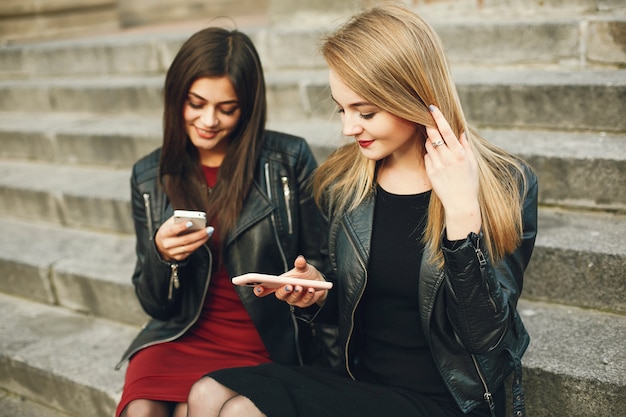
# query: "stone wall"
43 19
140 12
34 19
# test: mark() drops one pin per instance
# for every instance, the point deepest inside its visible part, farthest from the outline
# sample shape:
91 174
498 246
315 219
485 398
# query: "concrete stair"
546 81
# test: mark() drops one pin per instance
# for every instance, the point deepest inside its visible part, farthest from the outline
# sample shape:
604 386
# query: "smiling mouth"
206 133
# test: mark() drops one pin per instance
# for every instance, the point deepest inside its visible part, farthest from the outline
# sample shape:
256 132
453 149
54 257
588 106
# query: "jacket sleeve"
482 297
151 276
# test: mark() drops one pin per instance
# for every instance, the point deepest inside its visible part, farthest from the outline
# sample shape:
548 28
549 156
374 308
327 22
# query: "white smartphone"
198 218
274 281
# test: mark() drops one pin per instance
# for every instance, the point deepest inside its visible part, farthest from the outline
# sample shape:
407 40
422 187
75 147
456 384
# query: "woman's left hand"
453 172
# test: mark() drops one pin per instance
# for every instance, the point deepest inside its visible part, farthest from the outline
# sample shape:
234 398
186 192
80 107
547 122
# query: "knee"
240 406
145 408
202 390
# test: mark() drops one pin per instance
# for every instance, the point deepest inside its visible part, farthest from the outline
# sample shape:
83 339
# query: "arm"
151 276
312 238
161 246
482 297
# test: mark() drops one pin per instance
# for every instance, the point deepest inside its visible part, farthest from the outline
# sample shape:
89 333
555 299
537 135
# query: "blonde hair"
392 58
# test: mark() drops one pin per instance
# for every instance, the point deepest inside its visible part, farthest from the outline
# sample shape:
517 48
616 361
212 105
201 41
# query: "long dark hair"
213 52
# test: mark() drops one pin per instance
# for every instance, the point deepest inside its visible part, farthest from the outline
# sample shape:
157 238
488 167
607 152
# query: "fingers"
172 245
300 264
298 296
303 270
261 291
441 136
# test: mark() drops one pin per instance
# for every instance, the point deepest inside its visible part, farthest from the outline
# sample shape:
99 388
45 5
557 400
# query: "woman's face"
378 132
211 114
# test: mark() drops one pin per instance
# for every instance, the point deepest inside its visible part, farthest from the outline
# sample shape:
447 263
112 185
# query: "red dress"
223 337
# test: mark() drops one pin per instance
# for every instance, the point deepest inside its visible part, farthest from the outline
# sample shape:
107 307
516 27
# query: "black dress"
396 375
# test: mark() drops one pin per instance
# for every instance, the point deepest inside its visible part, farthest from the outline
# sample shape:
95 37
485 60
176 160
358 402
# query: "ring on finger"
438 142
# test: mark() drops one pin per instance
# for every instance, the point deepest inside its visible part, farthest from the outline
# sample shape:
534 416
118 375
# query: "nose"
351 125
209 117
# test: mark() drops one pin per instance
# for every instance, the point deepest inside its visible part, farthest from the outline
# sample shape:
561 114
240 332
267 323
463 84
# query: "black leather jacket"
468 308
279 221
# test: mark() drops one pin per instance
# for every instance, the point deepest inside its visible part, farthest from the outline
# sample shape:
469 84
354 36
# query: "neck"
405 175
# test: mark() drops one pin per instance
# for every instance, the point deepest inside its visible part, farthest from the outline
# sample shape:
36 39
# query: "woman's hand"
175 242
453 173
297 295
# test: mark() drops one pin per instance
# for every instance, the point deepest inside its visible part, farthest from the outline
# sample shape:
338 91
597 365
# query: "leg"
147 408
240 406
180 410
207 397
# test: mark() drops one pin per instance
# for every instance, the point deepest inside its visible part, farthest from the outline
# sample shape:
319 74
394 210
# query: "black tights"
151 408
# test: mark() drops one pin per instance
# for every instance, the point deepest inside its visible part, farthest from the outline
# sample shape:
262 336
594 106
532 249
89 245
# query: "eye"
229 112
194 105
367 116
340 110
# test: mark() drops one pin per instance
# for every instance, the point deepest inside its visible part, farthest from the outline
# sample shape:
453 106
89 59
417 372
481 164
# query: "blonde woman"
431 230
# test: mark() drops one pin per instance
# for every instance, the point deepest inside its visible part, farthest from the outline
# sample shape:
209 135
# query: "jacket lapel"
255 207
359 224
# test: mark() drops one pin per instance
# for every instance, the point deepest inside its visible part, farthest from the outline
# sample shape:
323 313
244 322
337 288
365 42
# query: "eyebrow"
234 101
354 105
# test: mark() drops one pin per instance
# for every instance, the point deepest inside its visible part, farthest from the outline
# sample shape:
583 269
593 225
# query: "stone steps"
87 272
32 19
81 168
576 363
14 405
535 99
484 39
61 359
72 357
90 271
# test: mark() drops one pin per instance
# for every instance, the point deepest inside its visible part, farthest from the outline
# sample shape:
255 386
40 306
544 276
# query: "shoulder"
527 177
147 167
274 141
282 141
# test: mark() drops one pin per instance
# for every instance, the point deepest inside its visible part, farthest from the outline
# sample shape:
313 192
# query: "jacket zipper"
483 262
268 187
146 204
487 396
352 314
287 194
174 281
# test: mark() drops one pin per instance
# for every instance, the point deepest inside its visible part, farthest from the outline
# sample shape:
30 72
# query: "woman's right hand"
297 295
173 243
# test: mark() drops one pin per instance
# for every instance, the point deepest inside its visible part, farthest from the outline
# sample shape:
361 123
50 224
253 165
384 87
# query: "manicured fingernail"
288 288
310 290
210 230
431 108
257 290
188 224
